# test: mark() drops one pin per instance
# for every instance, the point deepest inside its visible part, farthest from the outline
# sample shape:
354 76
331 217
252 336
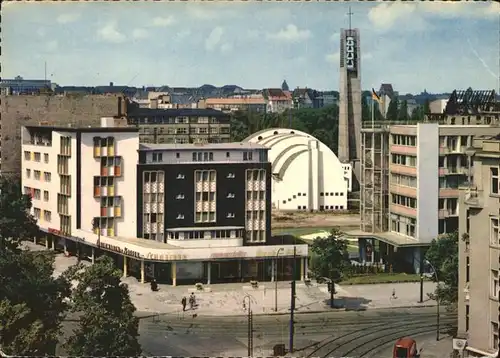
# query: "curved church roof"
289 144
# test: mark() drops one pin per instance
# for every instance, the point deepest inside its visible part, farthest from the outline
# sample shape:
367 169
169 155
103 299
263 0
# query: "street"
316 335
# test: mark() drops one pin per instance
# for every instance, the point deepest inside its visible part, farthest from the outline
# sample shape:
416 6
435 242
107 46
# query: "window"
28 173
494 180
47 176
36 213
247 156
46 158
37 194
37 174
47 215
228 154
27 155
158 156
45 195
494 335
494 284
177 155
494 231
37 157
194 156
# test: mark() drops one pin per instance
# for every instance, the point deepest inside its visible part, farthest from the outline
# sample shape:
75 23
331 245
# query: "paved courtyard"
227 299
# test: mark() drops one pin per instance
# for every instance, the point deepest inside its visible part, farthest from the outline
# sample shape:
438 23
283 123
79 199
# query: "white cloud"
214 38
163 21
140 33
366 56
333 58
182 34
110 33
291 33
335 36
41 32
226 48
384 16
68 17
52 46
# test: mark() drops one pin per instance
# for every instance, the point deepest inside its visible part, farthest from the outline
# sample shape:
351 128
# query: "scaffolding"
374 183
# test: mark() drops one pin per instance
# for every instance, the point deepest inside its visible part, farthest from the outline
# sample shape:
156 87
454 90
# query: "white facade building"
184 212
307 175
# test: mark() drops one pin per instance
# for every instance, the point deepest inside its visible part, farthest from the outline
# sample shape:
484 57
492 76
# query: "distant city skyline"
432 46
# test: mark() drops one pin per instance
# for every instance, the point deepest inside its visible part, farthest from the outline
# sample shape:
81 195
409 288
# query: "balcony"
403 190
112 211
103 191
448 192
403 210
403 149
114 170
403 169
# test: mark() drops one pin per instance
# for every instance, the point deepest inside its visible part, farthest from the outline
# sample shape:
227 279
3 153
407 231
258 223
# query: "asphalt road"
327 334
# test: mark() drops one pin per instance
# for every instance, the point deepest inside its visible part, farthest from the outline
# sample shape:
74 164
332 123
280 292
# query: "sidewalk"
227 299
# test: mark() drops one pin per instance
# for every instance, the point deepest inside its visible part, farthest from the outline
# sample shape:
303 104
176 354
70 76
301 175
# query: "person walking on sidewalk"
184 302
192 300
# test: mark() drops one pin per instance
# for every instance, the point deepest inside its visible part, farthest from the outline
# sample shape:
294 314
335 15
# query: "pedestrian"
192 300
183 302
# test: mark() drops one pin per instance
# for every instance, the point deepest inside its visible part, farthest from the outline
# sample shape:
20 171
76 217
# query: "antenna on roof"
45 71
350 13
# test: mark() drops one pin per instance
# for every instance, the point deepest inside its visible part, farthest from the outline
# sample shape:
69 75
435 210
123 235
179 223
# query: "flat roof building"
177 212
479 251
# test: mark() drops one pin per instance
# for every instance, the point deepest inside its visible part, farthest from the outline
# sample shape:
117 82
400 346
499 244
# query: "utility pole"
332 293
250 323
421 289
292 303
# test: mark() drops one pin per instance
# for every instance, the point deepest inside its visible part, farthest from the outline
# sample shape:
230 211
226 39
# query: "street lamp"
250 323
276 279
332 289
437 297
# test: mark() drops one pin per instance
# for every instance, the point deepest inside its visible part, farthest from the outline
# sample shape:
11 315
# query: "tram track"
272 326
361 342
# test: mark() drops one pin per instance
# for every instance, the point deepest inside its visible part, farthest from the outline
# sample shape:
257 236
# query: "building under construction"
410 173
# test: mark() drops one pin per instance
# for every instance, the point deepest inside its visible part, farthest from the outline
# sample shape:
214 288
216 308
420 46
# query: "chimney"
111 84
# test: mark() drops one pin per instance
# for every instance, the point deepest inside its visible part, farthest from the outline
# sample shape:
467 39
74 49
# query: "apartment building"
410 178
181 213
479 252
277 100
255 103
180 126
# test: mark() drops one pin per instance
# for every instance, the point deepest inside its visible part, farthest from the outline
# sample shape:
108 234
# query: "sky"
435 46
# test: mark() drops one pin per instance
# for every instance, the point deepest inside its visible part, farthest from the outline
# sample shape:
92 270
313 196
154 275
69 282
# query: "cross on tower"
350 13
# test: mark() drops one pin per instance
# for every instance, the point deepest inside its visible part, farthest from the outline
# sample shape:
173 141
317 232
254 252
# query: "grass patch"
299 231
381 278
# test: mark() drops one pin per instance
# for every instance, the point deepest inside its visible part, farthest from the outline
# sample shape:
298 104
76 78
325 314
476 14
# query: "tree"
15 220
427 106
393 110
443 256
32 301
403 111
107 324
331 259
417 114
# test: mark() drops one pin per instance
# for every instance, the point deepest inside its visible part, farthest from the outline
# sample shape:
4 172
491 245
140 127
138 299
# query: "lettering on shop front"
59 233
228 255
262 253
166 257
119 250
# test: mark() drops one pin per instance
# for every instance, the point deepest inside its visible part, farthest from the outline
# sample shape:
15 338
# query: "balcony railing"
385 124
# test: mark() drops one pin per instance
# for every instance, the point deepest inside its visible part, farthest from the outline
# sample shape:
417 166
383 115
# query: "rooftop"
82 129
202 146
181 112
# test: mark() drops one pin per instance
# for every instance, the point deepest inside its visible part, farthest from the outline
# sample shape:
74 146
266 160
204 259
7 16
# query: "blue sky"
437 46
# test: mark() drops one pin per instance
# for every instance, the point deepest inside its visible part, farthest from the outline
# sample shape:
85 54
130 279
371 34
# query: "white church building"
307 175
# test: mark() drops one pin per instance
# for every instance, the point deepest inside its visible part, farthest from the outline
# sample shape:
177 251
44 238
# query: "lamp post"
276 279
250 323
332 289
437 298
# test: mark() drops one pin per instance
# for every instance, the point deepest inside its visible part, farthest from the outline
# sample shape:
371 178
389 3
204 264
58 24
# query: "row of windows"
153 218
172 120
214 234
37 174
104 142
408 140
330 207
256 174
204 156
36 156
404 201
404 180
47 215
205 175
37 193
154 177
65 146
402 159
104 181
403 225
331 194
